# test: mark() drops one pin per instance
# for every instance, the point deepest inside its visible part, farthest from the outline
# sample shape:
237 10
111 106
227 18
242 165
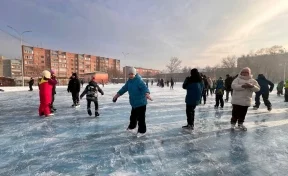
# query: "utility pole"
21 35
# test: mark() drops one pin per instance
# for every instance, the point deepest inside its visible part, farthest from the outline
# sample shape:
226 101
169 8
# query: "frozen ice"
73 143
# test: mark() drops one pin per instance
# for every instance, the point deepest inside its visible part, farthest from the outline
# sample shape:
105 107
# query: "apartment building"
12 68
142 71
63 63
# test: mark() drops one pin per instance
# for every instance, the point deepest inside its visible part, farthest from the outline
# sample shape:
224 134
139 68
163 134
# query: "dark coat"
220 87
31 82
194 91
228 83
264 84
91 91
74 85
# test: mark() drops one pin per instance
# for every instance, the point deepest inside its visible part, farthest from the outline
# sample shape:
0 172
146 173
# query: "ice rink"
73 143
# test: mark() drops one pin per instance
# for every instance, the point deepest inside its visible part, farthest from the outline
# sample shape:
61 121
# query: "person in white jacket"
243 87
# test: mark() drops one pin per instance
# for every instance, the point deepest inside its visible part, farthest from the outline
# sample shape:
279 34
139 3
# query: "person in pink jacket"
243 87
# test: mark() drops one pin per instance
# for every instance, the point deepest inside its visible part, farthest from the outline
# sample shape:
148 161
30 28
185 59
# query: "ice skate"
269 108
73 105
140 135
77 105
188 127
49 115
96 114
242 127
89 112
233 126
255 107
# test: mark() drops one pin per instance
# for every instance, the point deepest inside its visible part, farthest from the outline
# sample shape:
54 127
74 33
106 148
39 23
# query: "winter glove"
115 97
102 93
114 100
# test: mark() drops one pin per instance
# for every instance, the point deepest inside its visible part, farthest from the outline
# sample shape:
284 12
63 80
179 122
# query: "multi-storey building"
63 63
12 68
142 71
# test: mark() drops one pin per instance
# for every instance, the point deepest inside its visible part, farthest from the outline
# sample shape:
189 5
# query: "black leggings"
138 115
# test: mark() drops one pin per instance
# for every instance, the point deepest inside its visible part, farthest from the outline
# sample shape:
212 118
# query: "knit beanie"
46 74
131 70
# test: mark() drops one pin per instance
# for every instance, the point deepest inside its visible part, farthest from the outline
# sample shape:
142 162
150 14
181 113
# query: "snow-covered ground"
72 143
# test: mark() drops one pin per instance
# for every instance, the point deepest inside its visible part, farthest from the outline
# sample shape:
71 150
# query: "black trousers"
219 99
30 87
190 113
204 95
280 92
95 103
239 114
75 97
286 95
265 97
53 98
138 115
227 94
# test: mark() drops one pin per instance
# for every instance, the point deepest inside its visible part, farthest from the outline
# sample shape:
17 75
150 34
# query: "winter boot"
96 114
140 135
269 108
242 127
255 107
215 107
73 105
89 112
232 126
188 127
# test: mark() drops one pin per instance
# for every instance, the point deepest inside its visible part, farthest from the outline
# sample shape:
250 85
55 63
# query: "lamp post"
125 54
21 35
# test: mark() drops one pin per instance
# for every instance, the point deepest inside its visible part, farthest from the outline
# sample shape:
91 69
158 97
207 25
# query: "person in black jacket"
31 83
264 91
205 88
91 92
228 88
53 77
74 88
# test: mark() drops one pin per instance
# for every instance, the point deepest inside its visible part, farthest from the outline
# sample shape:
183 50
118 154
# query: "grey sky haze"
200 33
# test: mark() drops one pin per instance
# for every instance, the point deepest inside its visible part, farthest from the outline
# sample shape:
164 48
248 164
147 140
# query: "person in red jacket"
45 93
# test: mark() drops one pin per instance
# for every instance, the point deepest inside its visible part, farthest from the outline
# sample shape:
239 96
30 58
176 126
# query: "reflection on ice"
72 143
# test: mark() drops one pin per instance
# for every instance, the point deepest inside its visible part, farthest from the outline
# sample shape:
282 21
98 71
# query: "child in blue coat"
219 93
138 95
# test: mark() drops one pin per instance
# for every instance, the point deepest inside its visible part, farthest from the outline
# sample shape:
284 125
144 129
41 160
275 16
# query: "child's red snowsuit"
45 94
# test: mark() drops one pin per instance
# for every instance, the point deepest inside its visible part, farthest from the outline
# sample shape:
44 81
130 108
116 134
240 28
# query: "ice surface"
72 143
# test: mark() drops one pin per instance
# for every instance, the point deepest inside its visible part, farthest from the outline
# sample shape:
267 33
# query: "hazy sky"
199 32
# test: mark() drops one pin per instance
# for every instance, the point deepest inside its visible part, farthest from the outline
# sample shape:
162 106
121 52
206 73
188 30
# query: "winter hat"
52 72
194 71
246 77
46 74
74 74
131 70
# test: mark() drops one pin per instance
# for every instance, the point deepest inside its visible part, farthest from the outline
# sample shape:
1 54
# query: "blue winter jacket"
137 91
220 87
264 84
194 92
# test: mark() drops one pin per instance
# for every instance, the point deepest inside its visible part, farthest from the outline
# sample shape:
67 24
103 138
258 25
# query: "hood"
137 76
92 83
261 76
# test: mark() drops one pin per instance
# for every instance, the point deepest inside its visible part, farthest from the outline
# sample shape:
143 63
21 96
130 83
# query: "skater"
138 95
152 83
280 87
172 83
210 85
286 91
74 88
91 92
219 93
228 83
102 83
194 87
53 77
266 86
162 83
147 82
45 92
82 82
243 87
31 83
205 87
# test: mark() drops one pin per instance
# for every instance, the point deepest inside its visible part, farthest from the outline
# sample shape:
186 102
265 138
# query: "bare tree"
185 69
229 62
174 65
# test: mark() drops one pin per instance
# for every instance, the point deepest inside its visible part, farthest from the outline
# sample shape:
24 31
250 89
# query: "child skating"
91 92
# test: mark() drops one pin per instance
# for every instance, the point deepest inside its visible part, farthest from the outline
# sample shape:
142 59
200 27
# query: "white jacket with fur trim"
242 96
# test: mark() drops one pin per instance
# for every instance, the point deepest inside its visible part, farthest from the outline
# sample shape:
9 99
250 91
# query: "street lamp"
21 35
125 54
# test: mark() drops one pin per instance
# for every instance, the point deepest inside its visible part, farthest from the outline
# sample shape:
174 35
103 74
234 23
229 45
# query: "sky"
199 33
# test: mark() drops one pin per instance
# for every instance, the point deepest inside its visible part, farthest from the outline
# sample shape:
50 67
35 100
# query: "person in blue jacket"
138 95
194 86
219 93
266 86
